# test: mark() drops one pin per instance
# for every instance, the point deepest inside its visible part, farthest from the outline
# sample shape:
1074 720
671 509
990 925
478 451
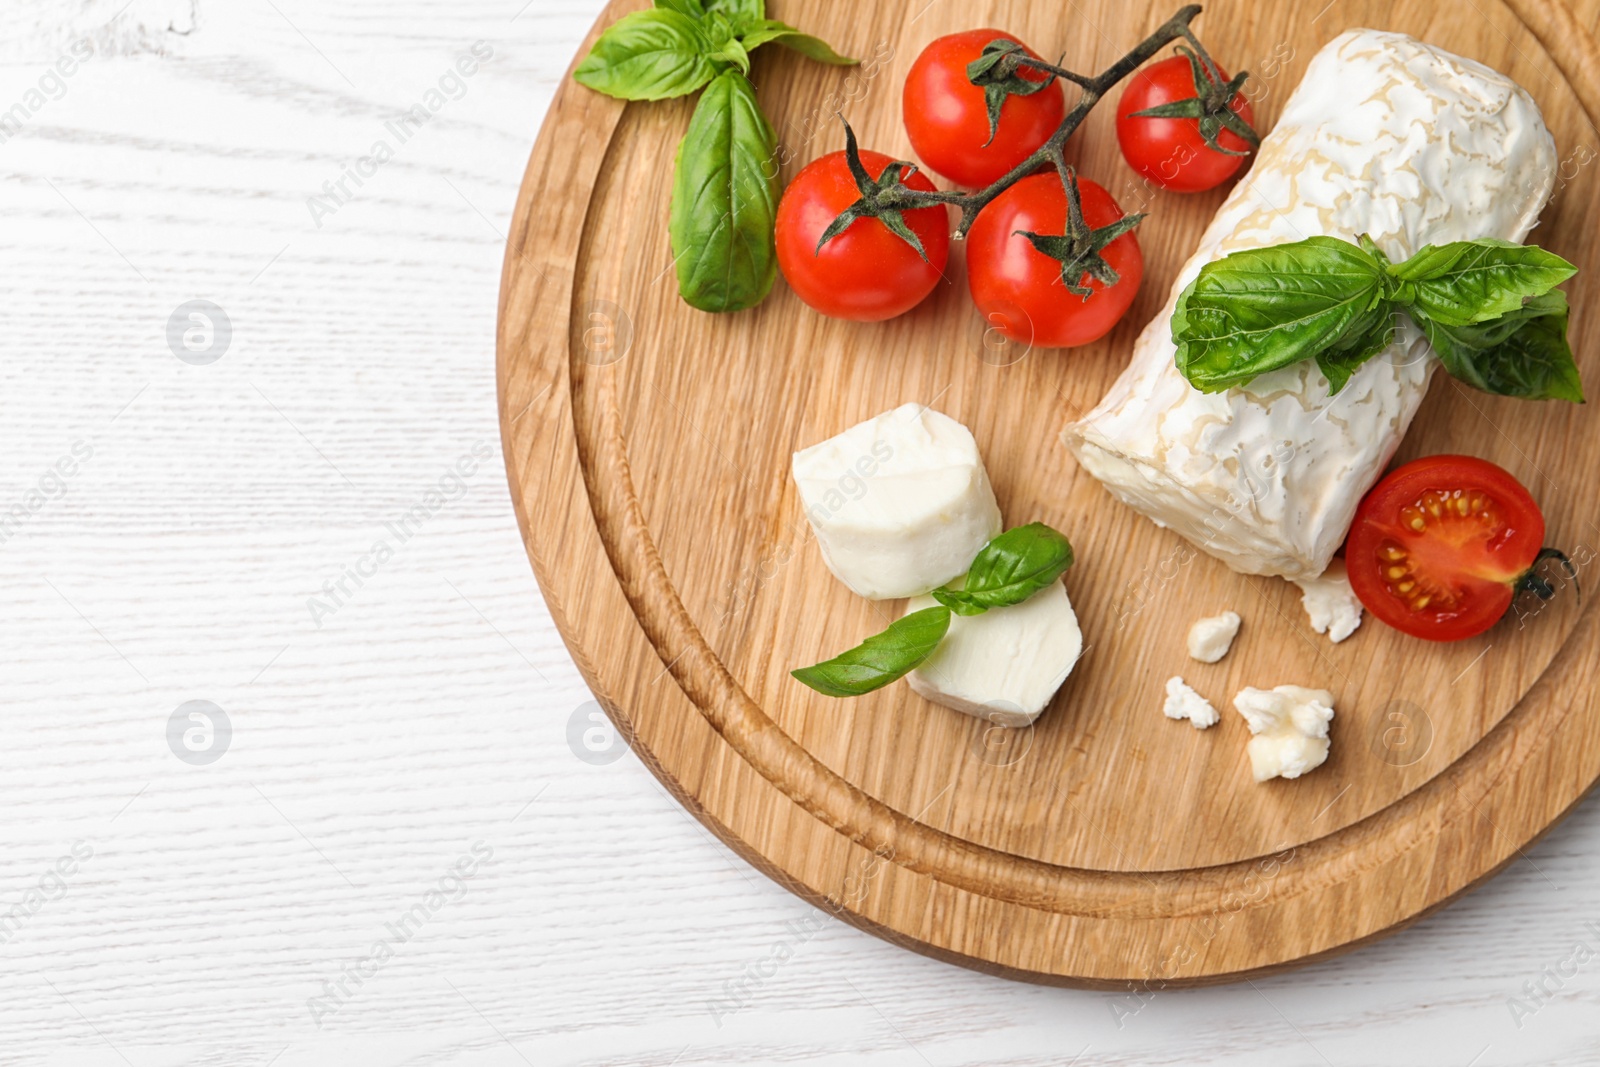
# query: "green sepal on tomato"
1183 124
971 133
1442 546
1046 275
859 268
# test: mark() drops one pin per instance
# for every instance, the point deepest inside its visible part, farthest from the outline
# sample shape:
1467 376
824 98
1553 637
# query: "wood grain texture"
611 930
648 449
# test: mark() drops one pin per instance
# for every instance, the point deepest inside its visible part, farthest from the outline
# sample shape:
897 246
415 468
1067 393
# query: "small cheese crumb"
1210 638
1184 703
1290 724
1333 606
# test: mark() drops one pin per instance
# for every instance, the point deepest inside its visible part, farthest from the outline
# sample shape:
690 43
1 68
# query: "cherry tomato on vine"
1171 151
866 273
947 116
1442 545
1020 290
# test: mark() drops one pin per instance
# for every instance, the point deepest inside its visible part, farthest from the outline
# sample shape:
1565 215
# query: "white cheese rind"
1211 638
1002 666
900 503
1290 728
1184 703
1385 136
1330 603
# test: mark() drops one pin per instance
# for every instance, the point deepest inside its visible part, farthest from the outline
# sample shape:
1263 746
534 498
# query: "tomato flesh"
947 117
1170 152
866 273
1437 548
1019 290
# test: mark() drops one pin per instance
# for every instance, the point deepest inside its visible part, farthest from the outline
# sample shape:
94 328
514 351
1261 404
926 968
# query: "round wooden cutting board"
648 449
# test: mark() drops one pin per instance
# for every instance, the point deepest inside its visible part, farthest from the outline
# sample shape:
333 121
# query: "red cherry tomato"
865 273
1439 545
1019 289
948 120
1171 152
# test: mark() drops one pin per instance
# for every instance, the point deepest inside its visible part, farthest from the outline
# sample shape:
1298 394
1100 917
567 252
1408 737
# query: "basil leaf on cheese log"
1467 282
1265 308
1490 309
1524 354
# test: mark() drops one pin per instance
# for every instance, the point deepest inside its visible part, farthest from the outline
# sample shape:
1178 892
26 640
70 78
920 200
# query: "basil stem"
724 200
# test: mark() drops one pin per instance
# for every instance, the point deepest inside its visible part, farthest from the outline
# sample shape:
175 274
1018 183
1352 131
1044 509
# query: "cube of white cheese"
1211 637
1184 703
1332 605
1002 666
901 503
1290 724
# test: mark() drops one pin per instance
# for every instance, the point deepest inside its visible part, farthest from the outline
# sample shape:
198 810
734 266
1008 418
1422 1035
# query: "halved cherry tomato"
1019 289
948 118
1439 545
1171 152
865 273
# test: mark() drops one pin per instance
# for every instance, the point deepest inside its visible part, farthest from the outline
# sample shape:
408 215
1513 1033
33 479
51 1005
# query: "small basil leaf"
1010 569
648 55
693 8
767 31
1261 309
1465 282
1522 354
882 658
724 203
1365 338
742 12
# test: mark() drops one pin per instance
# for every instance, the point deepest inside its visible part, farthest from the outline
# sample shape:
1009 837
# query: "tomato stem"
998 71
1533 582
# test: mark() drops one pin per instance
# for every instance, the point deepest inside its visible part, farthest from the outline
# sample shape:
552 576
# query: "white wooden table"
298 514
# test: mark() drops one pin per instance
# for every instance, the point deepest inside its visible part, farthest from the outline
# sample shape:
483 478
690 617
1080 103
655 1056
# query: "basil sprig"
1490 309
1008 570
724 191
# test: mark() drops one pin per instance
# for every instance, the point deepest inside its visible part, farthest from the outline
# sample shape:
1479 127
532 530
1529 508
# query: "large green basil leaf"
1465 282
882 658
724 200
648 55
1523 354
766 31
1261 309
1010 569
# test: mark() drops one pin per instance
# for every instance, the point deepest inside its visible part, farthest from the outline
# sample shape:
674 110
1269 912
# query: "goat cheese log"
1386 136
